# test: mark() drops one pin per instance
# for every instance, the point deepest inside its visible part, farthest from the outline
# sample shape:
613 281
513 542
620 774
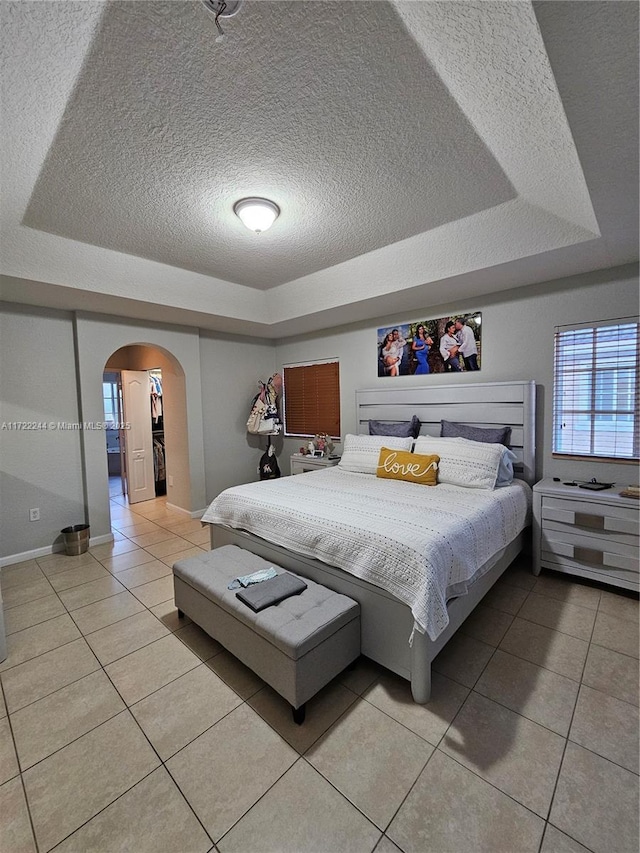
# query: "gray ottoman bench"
296 646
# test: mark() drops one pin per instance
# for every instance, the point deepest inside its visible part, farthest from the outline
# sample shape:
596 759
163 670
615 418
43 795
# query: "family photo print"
442 345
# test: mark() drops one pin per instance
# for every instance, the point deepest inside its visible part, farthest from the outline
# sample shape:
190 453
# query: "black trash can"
76 539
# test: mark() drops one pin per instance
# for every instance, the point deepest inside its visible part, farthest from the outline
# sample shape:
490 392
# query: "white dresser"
587 533
300 464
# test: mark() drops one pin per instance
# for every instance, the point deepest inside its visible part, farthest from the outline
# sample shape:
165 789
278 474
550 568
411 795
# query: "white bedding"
422 544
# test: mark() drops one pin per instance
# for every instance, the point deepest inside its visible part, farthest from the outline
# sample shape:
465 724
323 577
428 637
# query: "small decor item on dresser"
322 445
630 492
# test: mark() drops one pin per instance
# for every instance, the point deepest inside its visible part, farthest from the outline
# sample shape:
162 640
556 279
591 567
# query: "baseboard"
100 540
197 514
25 556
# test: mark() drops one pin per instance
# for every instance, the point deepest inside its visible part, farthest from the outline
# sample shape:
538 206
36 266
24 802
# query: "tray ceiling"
418 150
329 109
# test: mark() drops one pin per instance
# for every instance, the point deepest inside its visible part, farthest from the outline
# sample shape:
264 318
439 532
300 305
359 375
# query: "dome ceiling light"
258 214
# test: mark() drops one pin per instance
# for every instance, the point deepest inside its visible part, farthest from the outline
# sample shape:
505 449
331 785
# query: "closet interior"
116 437
157 432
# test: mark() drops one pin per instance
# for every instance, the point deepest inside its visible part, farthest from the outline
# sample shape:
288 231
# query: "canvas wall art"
441 345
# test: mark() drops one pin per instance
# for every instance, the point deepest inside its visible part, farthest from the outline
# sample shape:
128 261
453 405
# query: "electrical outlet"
170 479
34 514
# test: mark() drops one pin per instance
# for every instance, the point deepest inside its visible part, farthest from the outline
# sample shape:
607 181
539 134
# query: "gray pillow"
495 435
401 429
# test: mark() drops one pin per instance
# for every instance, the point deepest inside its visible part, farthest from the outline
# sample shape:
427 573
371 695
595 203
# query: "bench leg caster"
180 614
298 714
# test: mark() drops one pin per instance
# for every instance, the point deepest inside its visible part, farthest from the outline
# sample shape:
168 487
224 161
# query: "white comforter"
422 544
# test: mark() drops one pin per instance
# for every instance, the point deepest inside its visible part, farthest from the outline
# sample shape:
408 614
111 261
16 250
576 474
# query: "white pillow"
473 464
361 452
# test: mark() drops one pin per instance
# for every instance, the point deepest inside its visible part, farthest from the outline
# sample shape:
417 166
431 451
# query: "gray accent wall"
97 338
230 370
52 363
517 343
40 468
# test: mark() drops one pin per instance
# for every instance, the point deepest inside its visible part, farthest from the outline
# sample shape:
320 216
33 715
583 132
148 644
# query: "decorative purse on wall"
269 426
258 409
264 419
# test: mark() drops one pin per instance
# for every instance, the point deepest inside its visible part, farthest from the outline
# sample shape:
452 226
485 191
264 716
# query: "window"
312 399
595 393
110 400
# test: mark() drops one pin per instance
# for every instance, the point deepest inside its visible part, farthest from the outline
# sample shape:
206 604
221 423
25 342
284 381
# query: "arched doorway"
97 338
162 424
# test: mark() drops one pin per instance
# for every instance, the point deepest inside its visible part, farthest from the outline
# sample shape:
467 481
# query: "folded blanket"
271 591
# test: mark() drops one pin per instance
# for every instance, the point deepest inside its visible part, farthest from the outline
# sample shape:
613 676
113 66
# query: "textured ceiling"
419 151
329 109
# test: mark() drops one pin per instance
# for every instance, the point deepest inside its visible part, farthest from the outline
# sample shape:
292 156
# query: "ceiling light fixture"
258 214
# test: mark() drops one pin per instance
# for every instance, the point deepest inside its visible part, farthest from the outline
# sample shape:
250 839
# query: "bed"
409 610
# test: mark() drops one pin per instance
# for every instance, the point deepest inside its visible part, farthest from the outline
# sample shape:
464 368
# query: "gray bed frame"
386 622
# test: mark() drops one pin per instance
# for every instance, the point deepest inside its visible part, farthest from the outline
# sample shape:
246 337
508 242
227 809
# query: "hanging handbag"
268 468
269 426
256 417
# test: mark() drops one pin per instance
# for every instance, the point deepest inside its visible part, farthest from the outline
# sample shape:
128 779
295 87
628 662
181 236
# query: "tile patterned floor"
125 728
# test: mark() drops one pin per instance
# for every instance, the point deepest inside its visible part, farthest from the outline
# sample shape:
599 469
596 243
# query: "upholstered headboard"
485 404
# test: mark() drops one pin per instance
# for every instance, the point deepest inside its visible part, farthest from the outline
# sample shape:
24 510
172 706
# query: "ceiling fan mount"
222 9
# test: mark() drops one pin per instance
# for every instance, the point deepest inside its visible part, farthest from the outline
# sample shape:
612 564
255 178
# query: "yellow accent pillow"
412 467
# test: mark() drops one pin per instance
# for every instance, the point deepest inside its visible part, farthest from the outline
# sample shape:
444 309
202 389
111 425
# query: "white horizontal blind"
595 391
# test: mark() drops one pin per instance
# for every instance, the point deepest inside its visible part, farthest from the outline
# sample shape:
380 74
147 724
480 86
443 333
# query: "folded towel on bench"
271 591
256 577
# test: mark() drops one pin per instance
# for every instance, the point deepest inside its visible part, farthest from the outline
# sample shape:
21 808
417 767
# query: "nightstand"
300 463
591 534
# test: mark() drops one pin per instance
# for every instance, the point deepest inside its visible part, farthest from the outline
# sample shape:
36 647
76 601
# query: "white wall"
230 370
40 468
517 343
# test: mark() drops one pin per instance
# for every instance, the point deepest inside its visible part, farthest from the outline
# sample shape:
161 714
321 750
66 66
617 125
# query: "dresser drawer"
599 572
558 529
590 516
591 550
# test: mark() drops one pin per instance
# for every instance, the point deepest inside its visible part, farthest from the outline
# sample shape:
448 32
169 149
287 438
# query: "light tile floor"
125 728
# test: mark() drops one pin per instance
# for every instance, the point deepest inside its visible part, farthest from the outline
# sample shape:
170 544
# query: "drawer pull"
588 555
584 519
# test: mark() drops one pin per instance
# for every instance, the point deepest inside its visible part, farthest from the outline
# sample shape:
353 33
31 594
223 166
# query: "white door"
138 442
122 439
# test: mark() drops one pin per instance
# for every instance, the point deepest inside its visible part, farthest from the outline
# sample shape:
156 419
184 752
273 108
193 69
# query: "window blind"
595 392
312 399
